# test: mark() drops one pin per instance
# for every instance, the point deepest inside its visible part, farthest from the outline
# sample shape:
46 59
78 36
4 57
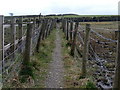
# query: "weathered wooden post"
34 23
39 19
116 83
63 22
26 59
47 28
13 36
33 34
20 30
74 39
85 51
40 37
1 48
44 29
71 30
67 34
50 27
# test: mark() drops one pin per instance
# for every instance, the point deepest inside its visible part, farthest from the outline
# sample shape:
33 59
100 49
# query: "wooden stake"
71 29
13 36
20 33
116 85
1 49
26 59
74 39
67 33
85 51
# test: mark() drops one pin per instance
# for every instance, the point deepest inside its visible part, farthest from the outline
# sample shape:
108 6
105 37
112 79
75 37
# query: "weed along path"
56 71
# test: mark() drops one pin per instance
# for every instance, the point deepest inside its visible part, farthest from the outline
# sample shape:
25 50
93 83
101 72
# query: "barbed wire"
97 59
108 39
105 29
100 42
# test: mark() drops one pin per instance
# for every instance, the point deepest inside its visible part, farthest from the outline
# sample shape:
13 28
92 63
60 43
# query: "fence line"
95 56
12 59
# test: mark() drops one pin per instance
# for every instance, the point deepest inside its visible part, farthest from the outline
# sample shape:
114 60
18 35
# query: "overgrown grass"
41 60
73 69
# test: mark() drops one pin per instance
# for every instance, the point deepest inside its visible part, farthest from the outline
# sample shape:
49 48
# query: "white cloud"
20 7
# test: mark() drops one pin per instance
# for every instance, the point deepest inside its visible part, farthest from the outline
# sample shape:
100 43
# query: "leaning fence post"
85 51
26 58
1 49
74 39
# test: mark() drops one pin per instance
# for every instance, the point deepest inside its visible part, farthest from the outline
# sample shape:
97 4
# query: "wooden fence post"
33 33
26 58
67 34
40 36
39 19
64 25
47 28
71 30
74 39
116 84
85 51
13 36
34 23
44 29
50 28
20 30
1 48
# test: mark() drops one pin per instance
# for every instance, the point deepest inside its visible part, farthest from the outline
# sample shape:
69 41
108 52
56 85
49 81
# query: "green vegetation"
41 60
89 16
78 16
72 66
33 76
25 73
90 85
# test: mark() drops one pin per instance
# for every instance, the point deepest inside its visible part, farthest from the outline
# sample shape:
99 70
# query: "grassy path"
56 71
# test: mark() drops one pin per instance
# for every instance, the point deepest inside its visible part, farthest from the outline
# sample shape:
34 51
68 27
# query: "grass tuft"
25 73
90 85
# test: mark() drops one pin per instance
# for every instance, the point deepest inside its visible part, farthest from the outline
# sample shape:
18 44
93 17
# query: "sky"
81 7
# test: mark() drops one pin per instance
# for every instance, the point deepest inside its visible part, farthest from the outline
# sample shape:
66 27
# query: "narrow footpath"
56 71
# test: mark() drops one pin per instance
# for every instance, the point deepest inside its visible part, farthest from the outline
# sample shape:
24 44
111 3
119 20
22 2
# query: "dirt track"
56 71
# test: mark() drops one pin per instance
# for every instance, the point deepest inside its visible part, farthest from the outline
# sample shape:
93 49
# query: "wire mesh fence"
13 43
